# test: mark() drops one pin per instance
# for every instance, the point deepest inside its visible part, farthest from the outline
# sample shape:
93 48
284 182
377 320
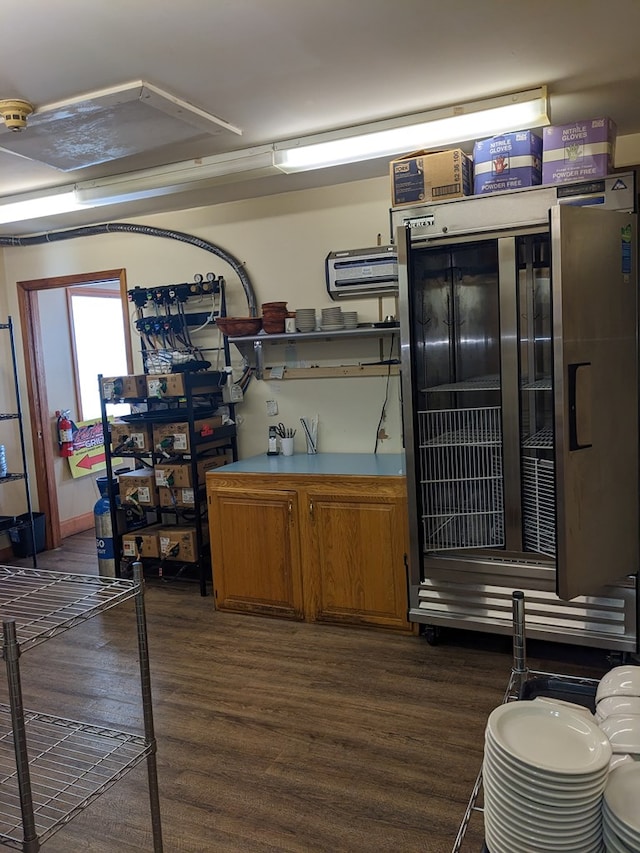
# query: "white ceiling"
279 69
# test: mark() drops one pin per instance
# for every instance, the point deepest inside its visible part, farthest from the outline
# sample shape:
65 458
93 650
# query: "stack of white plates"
306 319
544 773
621 810
332 319
350 319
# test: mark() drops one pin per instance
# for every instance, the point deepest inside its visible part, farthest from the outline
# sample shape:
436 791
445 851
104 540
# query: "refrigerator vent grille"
461 478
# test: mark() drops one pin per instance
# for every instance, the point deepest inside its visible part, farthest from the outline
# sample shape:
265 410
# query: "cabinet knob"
311 508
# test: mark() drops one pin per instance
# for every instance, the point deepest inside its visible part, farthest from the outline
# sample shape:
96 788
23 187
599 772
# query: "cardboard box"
422 177
179 475
174 437
166 385
138 487
179 543
120 387
142 543
576 152
129 437
177 496
507 162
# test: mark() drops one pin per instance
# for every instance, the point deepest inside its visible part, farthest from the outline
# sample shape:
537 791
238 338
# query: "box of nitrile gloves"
579 151
507 162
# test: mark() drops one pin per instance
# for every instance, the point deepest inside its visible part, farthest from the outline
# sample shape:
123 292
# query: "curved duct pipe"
151 231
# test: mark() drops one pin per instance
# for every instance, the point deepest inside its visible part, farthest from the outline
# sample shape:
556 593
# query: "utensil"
310 426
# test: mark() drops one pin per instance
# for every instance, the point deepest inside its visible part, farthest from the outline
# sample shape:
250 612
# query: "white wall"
283 241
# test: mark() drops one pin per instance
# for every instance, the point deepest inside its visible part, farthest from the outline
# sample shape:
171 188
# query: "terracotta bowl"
239 326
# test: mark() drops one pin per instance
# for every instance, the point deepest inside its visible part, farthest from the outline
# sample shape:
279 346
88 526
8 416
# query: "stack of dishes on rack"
306 319
618 713
332 319
544 772
350 319
621 810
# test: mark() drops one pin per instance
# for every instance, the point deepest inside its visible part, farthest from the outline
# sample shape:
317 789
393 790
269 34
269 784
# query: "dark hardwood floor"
274 735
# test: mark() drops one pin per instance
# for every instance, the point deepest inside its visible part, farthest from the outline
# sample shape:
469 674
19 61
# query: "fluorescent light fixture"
38 204
519 111
191 174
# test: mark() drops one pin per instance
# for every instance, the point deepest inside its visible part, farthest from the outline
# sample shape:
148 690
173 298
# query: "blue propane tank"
104 529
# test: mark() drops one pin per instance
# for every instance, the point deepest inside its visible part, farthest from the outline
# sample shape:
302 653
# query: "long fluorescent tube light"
192 174
38 204
518 111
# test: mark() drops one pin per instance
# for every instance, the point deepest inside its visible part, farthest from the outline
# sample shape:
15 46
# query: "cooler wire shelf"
461 478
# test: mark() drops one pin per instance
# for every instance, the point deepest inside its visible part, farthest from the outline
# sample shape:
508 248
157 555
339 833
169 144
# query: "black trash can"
20 535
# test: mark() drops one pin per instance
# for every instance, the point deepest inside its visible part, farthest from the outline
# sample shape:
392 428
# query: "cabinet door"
255 551
354 559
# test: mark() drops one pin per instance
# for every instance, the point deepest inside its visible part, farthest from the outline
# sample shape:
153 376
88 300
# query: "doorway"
35 359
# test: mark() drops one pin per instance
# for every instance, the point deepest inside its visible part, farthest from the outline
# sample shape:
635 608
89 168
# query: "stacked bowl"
273 317
306 319
544 773
332 319
350 319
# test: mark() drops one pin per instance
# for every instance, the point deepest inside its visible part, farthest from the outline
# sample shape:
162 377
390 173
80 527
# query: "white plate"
619 681
613 842
539 840
624 833
554 796
572 706
549 737
547 778
577 788
622 796
536 802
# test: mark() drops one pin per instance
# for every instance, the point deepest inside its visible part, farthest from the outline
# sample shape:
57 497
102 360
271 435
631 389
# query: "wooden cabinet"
320 548
255 550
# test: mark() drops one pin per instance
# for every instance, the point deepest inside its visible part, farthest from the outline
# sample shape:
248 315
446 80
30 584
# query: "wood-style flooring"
274 735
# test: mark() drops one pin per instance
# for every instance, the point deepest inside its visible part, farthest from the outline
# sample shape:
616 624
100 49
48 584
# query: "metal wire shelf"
539 505
462 489
490 382
45 604
52 768
476 383
70 765
540 440
543 384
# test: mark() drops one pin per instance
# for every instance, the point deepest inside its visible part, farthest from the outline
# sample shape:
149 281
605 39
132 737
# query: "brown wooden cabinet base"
320 548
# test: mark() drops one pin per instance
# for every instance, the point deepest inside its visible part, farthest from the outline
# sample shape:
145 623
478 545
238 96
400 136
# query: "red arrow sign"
88 461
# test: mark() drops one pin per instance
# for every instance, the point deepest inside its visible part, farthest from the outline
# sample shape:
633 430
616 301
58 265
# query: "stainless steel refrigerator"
519 324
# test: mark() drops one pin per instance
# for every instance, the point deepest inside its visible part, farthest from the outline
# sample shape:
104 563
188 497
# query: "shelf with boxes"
158 507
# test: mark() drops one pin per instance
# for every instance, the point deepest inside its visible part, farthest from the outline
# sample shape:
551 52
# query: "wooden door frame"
40 418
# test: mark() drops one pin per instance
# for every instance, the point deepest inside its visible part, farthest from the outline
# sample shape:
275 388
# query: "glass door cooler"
519 318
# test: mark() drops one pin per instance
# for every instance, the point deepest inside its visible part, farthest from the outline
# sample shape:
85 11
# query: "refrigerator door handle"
579 388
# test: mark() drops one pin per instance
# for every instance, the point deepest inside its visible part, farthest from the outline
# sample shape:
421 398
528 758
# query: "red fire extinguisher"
65 433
